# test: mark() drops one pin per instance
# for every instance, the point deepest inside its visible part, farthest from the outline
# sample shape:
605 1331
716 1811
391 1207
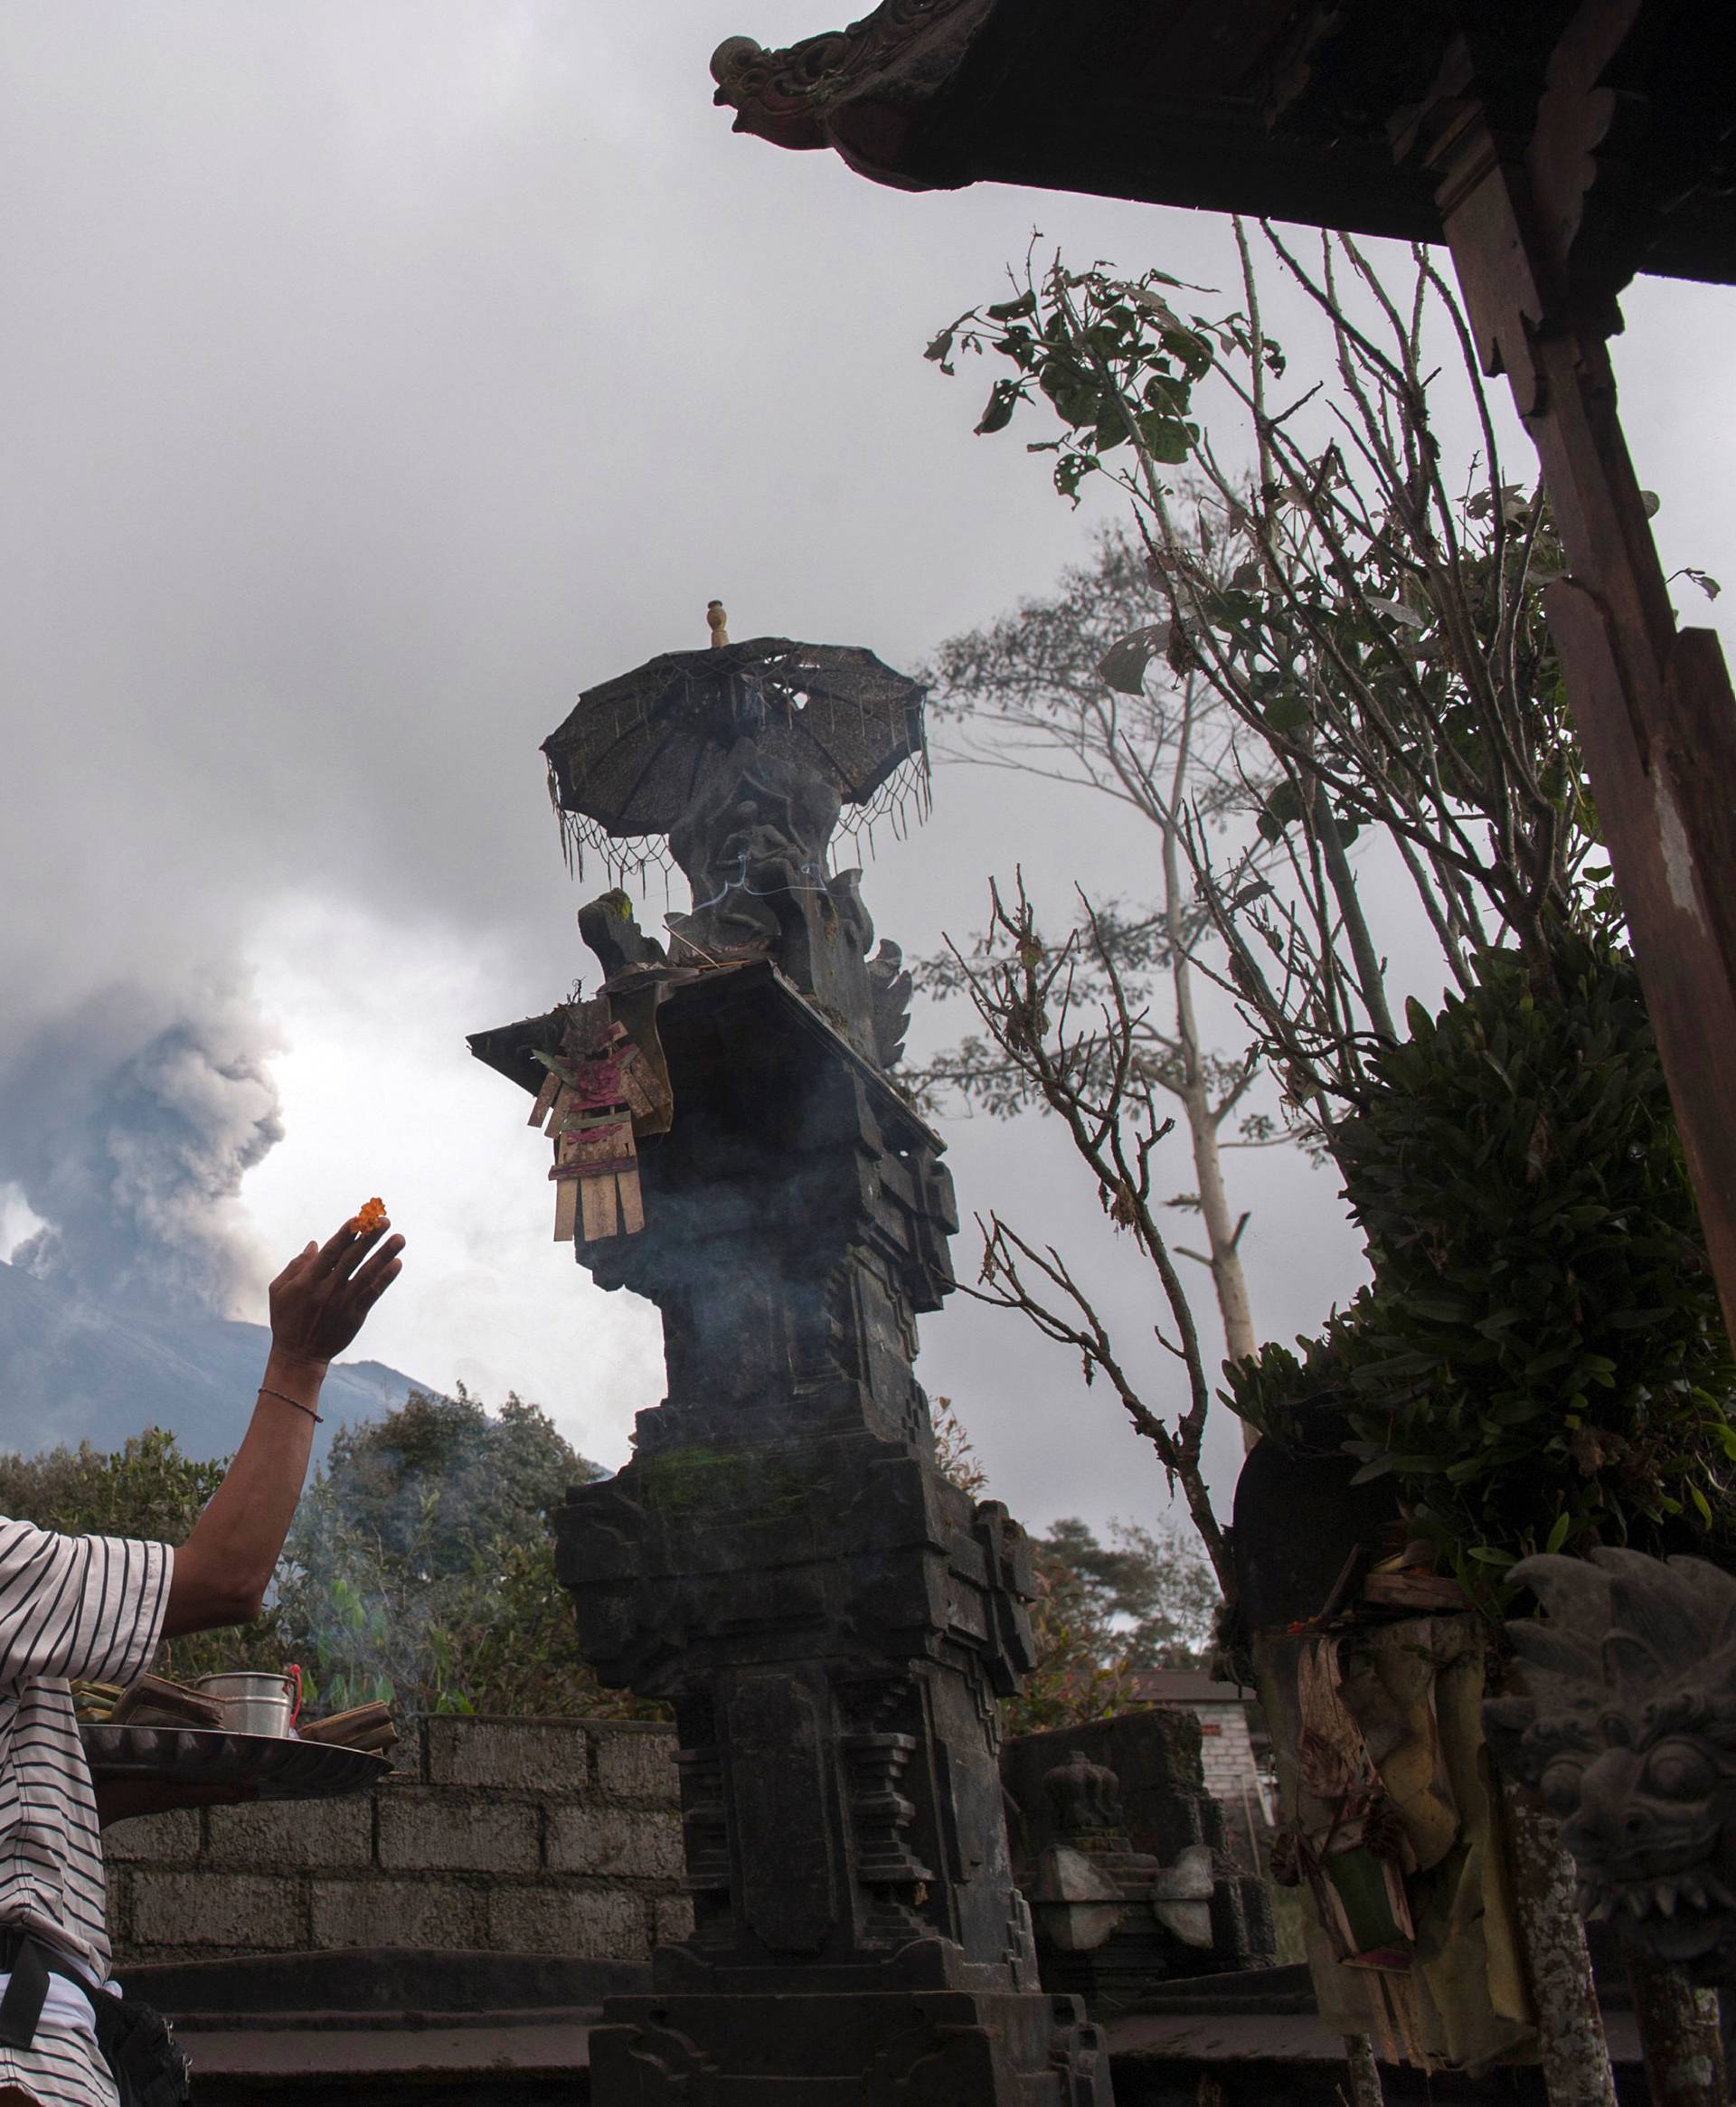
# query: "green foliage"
421 1565
1120 363
1145 1598
1380 628
441 1476
147 1490
1103 1611
1540 1362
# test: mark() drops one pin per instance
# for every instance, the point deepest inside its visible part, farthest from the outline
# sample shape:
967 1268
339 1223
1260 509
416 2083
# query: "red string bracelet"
267 1390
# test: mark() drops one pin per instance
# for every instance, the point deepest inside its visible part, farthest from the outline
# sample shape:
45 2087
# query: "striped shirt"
88 1606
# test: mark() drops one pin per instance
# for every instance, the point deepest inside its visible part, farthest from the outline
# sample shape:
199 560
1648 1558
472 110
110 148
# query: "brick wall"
1227 1753
524 1836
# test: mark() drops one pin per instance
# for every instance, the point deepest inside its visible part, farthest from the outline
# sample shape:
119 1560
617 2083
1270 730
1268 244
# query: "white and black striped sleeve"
86 1606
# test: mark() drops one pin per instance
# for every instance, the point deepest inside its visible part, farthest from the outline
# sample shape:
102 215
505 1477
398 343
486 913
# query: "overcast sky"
376 375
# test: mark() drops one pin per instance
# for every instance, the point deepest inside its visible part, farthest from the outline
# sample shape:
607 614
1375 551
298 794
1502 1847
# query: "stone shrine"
831 1621
1121 1852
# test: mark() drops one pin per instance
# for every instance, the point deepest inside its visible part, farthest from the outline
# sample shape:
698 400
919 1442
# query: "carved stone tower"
831 1618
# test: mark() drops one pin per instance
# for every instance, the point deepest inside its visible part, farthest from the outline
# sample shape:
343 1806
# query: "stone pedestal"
832 1620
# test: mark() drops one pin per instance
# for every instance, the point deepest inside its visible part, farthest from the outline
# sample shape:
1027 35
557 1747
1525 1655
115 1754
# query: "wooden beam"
1652 705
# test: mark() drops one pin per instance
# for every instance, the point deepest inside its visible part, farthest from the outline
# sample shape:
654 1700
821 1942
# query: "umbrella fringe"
572 849
903 797
625 859
908 792
906 796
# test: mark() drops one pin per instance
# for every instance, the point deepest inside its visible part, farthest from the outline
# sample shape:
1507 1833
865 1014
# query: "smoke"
126 1126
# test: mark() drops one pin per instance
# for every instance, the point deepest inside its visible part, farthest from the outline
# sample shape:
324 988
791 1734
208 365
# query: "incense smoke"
128 1127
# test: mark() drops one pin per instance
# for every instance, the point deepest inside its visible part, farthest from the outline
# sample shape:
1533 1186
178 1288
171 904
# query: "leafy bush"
1539 1361
1103 1612
147 1490
420 1565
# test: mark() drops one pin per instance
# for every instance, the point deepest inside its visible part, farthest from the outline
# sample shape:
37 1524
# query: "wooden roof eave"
1213 105
937 94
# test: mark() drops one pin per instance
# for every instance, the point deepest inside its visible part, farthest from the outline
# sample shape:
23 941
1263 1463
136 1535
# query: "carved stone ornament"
1082 1795
903 50
782 1559
1626 1726
740 764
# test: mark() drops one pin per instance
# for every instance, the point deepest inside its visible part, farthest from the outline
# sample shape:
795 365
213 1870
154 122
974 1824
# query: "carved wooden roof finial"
719 622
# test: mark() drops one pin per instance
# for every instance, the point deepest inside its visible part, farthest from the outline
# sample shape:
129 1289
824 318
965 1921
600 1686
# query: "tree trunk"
1364 2071
1239 1338
1221 1240
1569 2026
1679 2032
1222 1236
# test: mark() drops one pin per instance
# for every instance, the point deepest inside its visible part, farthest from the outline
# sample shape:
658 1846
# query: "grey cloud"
129 1135
377 373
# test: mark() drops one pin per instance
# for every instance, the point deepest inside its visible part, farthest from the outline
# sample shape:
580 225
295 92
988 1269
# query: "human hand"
321 1296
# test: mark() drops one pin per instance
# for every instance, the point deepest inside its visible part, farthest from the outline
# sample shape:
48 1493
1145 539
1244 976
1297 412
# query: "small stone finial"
731 57
718 622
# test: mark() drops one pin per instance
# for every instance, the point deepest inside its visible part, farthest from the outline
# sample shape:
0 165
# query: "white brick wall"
1227 1757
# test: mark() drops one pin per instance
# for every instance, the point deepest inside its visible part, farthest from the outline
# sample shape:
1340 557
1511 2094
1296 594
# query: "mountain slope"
70 1371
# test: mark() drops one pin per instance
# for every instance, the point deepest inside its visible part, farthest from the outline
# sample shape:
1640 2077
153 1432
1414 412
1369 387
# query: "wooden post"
1653 706
1569 2026
1679 2032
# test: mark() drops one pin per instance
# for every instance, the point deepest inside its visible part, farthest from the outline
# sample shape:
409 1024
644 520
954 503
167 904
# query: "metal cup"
255 1700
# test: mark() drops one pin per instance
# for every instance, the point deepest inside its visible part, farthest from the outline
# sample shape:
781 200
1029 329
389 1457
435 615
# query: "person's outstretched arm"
318 1303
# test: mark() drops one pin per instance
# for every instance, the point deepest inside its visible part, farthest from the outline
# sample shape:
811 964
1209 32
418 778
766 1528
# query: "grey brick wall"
528 1836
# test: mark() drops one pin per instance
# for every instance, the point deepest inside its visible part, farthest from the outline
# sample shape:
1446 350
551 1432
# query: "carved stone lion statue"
1626 1724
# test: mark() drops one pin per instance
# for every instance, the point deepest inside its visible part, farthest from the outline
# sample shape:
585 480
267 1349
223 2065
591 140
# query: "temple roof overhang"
1262 106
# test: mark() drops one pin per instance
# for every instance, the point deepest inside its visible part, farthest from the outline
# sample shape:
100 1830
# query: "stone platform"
494 2030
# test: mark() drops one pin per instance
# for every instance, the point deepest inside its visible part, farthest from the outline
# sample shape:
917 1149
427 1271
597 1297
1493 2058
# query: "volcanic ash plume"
128 1128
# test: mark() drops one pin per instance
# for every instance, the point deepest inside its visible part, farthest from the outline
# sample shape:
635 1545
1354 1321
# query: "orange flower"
368 1216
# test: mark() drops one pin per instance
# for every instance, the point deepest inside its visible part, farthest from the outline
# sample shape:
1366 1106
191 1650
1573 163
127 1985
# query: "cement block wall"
1227 1754
521 1835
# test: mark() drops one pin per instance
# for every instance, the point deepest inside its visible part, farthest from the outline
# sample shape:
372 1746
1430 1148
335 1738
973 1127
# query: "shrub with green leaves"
1540 1362
148 1491
420 1566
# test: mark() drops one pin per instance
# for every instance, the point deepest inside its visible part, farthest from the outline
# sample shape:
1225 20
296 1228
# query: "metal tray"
275 1767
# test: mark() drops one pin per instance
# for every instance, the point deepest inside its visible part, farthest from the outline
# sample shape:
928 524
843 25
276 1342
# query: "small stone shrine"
831 1621
1129 1878
1110 1920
